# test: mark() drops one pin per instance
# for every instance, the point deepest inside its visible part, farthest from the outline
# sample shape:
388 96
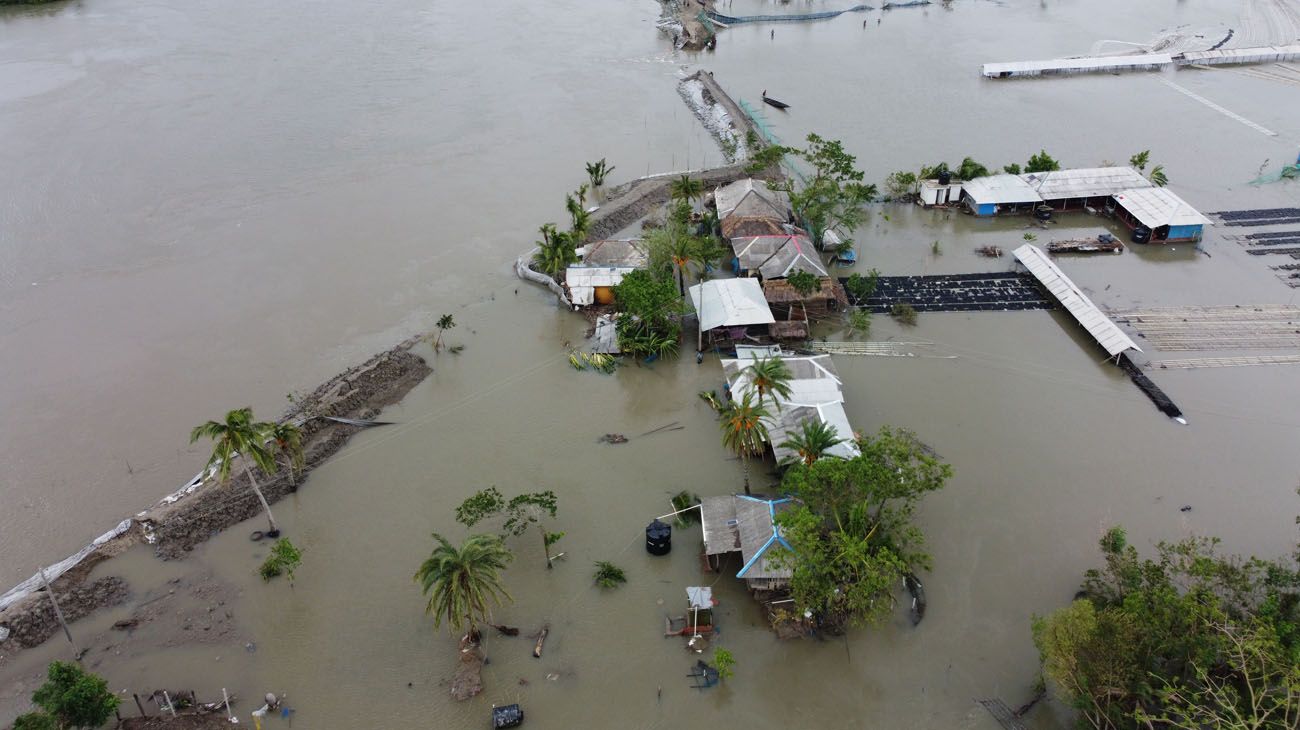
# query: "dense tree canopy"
1187 639
833 195
851 532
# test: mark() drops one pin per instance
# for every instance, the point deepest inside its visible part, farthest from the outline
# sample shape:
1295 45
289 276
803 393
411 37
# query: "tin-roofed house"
753 199
743 226
776 257
747 525
1167 217
728 308
603 266
994 194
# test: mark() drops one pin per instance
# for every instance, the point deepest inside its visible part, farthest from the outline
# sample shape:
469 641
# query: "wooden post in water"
138 705
58 612
537 650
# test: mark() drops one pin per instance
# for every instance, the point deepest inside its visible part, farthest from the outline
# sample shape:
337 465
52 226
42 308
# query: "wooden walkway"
1228 362
1253 327
1003 714
879 349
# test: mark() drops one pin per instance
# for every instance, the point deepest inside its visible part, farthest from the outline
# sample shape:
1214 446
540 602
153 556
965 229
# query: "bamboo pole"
58 612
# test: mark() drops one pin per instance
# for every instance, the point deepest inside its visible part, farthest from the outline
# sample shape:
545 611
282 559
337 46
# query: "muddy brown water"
217 205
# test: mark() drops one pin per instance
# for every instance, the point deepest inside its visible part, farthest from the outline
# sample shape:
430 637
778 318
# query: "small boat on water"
773 102
1104 243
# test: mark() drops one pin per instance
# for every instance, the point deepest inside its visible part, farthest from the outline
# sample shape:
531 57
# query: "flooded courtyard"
218 205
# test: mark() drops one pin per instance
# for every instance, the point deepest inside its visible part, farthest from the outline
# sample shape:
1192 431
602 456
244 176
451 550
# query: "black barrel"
659 538
507 716
1141 234
1043 213
945 177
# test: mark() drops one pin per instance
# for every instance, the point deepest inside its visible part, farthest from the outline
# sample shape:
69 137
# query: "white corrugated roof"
1156 207
1085 182
1242 55
1106 332
730 303
814 394
583 280
1076 65
1000 188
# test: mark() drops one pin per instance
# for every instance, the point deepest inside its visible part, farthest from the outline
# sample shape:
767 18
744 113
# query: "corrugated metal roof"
718 524
730 303
1106 332
1085 182
1001 188
1156 207
815 394
616 252
1263 54
583 280
758 533
1077 65
752 198
776 257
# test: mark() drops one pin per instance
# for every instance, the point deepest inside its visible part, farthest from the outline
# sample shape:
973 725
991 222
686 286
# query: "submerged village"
784 531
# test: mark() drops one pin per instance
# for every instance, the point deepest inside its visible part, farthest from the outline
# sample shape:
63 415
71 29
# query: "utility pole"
58 612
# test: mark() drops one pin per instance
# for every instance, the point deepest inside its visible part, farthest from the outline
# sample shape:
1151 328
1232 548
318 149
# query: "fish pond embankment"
204 507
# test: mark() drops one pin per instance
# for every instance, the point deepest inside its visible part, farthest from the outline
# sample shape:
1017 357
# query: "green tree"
743 430
1158 176
287 439
804 282
862 287
1140 160
812 441
685 189
445 322
834 195
35 721
902 185
859 322
239 435
769 376
597 172
609 575
674 245
555 252
903 312
725 663
850 532
1042 162
464 583
970 169
284 559
1012 169
520 513
647 306
73 697
579 219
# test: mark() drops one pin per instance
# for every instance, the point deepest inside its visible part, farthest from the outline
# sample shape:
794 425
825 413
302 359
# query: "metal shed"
730 303
1102 329
1168 216
1083 183
985 195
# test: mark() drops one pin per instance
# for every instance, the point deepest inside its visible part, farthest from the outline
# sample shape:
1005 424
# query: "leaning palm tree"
445 322
814 439
686 189
770 376
287 439
463 583
240 435
743 430
598 171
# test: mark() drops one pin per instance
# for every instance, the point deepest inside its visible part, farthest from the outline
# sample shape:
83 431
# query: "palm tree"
597 171
239 435
743 430
461 583
555 253
1158 176
685 189
445 322
579 219
814 439
287 439
770 376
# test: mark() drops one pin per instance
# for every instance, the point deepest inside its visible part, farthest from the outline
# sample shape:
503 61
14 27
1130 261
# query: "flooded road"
219 205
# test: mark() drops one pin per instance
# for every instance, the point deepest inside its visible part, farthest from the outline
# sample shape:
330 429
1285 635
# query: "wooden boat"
773 102
1105 243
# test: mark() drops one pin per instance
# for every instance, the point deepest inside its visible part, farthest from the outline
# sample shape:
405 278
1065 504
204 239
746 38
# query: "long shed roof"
1102 329
1084 182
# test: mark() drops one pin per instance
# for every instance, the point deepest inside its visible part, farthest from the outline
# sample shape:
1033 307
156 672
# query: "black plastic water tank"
1043 213
507 716
659 538
945 177
1141 234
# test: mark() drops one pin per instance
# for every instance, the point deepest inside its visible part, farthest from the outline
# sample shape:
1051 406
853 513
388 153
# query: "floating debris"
612 438
1104 243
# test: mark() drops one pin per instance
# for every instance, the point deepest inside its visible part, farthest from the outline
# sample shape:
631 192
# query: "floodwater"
215 205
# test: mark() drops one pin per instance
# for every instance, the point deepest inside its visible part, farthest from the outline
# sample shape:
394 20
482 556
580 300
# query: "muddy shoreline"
181 521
